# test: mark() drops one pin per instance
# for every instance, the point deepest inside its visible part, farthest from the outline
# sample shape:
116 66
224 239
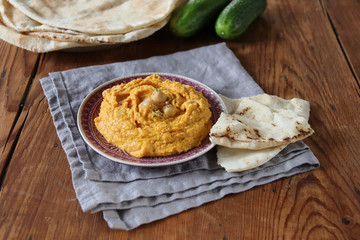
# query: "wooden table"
308 49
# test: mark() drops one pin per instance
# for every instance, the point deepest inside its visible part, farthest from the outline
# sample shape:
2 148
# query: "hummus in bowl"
150 119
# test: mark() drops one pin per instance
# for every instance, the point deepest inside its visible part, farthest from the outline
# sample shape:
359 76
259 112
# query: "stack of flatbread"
257 128
43 26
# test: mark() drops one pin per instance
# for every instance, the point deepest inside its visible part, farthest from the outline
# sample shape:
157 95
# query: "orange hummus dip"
154 117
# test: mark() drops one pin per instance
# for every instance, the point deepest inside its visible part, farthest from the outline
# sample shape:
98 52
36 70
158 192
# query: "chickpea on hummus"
154 117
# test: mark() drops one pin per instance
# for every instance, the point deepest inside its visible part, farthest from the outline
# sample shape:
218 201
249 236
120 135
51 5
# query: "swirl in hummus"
154 117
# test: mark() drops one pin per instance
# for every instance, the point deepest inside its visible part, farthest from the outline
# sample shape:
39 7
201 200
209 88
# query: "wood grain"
291 51
326 203
343 16
16 69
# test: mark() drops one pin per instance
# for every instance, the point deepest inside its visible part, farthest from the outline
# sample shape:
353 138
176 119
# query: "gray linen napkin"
131 196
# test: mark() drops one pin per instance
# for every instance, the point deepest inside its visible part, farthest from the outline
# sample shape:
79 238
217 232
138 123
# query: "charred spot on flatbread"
243 112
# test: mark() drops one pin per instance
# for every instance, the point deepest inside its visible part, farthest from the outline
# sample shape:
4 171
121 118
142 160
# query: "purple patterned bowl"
90 108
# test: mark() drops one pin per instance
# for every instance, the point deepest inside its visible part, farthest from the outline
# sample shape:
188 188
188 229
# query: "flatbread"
262 121
48 41
26 32
18 21
102 39
237 160
34 44
257 128
93 16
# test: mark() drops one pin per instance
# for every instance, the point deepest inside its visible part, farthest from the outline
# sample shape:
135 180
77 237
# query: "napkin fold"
131 196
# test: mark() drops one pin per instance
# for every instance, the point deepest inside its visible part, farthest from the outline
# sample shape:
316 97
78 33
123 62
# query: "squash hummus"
154 117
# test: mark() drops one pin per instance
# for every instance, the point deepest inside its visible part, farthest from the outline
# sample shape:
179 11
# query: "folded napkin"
131 196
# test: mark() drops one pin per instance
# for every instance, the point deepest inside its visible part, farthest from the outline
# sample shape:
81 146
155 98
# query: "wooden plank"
302 58
345 17
287 54
16 68
38 182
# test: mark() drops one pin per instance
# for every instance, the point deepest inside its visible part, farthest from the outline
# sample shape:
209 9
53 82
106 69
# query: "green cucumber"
236 17
194 15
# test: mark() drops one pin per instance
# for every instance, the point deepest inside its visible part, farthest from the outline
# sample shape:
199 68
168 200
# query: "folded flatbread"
262 121
237 160
257 128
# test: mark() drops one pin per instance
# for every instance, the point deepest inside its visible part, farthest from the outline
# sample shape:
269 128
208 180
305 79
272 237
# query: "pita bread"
101 39
47 42
262 121
96 17
237 160
18 21
22 31
34 44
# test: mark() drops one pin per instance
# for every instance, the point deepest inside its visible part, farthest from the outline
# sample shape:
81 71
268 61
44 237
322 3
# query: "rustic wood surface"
307 49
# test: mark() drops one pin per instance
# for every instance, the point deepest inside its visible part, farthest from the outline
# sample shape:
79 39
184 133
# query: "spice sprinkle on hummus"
154 117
